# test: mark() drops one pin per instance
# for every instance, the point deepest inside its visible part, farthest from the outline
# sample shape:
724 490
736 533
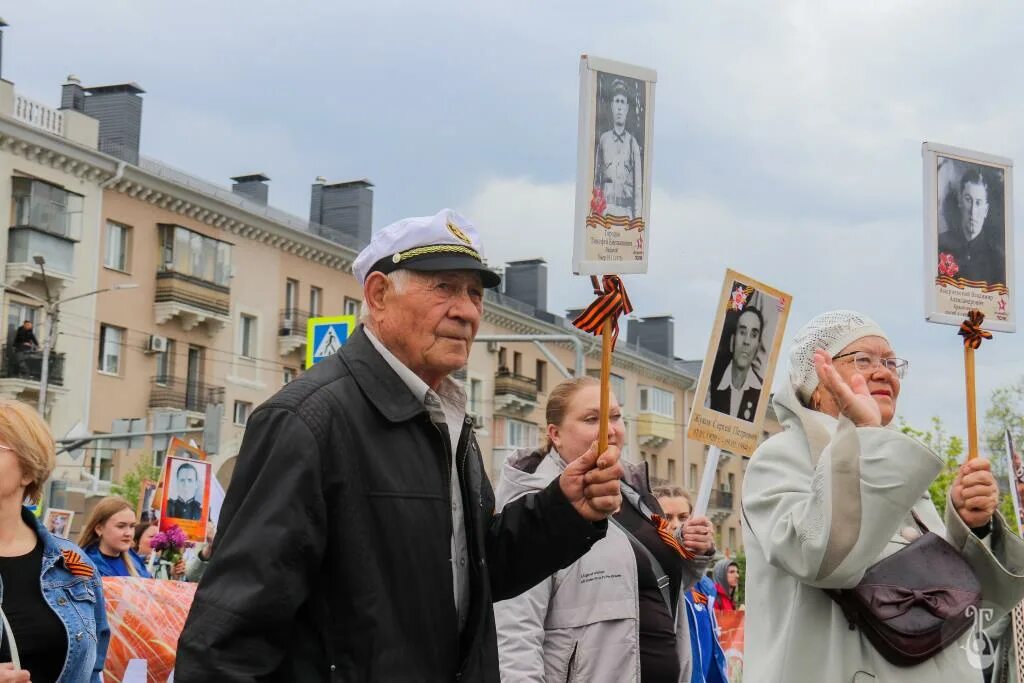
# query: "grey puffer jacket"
582 623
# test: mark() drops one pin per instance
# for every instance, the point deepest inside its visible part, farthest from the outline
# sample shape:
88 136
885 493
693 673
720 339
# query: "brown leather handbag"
915 602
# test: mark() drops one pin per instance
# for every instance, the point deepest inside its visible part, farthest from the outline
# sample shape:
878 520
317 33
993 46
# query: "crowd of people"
361 539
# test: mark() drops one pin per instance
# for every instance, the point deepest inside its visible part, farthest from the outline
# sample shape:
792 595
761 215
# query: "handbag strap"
664 585
10 639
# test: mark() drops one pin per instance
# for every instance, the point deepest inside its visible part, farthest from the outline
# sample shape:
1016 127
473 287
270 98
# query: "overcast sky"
787 135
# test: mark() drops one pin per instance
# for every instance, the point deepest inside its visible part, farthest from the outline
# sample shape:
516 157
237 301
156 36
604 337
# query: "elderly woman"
836 493
617 613
54 627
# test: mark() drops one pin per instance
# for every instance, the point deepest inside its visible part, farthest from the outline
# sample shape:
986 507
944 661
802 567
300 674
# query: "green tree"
949 448
131 483
1005 412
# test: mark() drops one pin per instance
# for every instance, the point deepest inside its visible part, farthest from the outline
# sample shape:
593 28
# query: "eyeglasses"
866 362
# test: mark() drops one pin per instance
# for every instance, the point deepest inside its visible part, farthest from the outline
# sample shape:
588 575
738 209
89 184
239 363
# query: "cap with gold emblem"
446 241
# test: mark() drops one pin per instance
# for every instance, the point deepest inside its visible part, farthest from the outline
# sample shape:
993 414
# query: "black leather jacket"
332 558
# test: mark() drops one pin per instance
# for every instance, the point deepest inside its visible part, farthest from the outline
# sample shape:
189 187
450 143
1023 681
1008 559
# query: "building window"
111 341
732 482
617 383
502 359
247 336
164 365
116 255
242 410
289 375
517 363
693 478
46 207
520 434
352 306
476 394
103 461
291 297
653 462
672 471
542 375
657 401
316 299
17 314
732 538
158 458
195 255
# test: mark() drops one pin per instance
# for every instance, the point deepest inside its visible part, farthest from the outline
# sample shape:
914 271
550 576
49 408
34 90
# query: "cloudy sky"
787 135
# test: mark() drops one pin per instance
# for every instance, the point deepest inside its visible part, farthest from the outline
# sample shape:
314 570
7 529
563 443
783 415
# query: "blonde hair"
24 430
673 492
559 400
101 512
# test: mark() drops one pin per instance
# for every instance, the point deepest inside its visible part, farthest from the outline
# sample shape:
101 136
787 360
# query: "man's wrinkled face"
974 205
431 322
746 339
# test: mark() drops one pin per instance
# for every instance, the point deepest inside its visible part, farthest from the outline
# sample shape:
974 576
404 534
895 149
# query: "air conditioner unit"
492 346
478 422
157 344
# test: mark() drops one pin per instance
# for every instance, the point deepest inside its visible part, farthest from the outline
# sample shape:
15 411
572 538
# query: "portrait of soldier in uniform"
187 485
972 222
618 164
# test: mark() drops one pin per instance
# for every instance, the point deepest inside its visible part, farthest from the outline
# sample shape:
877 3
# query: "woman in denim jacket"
54 625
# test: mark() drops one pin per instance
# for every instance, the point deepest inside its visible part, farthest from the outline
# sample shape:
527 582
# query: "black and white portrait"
971 223
619 144
185 498
740 364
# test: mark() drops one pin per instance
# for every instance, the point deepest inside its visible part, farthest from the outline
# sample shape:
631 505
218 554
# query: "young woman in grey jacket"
603 618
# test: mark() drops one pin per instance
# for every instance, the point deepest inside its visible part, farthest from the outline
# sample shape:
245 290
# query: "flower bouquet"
170 545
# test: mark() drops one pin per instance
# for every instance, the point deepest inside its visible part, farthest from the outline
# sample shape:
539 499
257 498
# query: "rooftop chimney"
3 24
654 333
345 209
527 281
118 108
253 187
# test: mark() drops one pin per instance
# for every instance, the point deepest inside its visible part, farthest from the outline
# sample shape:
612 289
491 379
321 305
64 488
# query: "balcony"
23 243
719 505
20 374
514 393
192 301
291 332
653 430
177 393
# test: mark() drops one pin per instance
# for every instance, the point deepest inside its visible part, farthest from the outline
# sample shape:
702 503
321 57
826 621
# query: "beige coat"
822 502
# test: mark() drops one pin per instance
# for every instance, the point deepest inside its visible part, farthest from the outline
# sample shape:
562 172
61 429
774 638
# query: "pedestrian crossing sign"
324 336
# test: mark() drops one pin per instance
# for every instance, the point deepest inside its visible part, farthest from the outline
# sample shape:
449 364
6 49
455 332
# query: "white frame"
930 151
120 350
585 153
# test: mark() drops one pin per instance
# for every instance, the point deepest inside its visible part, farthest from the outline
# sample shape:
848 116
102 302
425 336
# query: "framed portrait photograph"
968 236
147 509
58 522
613 177
736 377
1015 472
186 496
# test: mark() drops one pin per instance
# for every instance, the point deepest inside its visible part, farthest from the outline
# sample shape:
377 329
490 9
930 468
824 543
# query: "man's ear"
375 290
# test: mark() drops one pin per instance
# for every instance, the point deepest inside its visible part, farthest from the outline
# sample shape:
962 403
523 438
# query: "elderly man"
975 243
358 540
738 388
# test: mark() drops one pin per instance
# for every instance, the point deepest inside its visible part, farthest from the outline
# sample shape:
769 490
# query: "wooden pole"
972 417
606 371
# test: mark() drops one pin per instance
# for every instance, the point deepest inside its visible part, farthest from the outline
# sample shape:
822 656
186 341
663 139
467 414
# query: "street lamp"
52 313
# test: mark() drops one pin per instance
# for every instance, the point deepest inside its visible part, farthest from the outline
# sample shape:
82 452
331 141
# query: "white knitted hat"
831 331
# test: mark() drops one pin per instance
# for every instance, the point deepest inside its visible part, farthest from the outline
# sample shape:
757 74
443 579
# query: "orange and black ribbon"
972 331
75 564
668 539
612 301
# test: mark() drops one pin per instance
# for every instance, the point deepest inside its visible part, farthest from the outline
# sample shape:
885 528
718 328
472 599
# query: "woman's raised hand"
852 399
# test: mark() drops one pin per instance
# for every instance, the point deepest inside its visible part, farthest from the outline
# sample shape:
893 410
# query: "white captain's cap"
445 241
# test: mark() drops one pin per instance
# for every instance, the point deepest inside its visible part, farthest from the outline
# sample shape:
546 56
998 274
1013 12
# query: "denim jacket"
78 602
